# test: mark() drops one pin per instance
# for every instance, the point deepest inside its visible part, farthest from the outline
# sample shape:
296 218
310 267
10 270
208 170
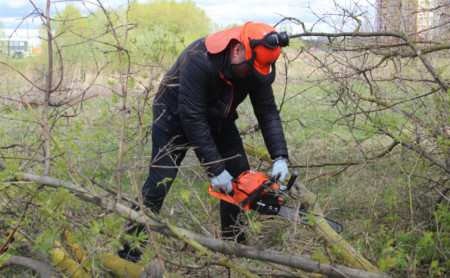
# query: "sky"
221 12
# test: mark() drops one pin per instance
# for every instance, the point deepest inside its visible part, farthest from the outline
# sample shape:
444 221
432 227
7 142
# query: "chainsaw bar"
300 215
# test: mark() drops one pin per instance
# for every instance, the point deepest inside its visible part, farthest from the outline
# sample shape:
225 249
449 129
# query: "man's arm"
266 112
193 103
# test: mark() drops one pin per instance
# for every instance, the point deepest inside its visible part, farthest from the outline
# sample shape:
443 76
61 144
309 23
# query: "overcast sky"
222 12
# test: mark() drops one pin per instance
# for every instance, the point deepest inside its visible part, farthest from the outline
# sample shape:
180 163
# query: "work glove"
222 181
280 167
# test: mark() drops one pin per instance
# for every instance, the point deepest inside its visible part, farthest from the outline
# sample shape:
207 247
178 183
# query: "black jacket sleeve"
266 112
195 77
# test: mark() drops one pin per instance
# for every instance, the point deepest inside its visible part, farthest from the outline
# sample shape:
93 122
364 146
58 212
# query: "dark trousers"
168 151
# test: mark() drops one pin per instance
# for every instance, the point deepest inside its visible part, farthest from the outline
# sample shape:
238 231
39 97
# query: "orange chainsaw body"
247 183
253 190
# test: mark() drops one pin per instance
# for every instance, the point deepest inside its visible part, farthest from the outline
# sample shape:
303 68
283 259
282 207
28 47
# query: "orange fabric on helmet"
217 42
263 57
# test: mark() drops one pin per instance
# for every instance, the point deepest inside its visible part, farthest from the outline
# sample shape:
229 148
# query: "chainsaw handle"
274 179
291 181
234 182
223 195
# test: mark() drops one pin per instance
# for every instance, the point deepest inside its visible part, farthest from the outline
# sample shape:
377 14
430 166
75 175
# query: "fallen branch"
340 247
43 269
346 252
62 259
216 245
120 267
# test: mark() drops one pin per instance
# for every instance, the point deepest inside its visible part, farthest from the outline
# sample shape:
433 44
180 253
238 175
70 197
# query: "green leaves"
4 257
94 227
437 269
386 263
180 18
44 240
254 225
185 195
112 224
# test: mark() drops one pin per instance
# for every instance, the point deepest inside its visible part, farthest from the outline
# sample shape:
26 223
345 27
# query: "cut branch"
43 269
224 247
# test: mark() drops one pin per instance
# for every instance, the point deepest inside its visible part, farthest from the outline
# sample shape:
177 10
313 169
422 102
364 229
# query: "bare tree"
71 162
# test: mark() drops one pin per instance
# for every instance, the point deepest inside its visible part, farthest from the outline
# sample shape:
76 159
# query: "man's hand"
280 167
222 181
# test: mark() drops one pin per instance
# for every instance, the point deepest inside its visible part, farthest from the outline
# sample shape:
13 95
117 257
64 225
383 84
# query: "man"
196 107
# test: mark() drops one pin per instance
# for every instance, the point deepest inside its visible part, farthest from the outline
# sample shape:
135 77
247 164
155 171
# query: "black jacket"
200 93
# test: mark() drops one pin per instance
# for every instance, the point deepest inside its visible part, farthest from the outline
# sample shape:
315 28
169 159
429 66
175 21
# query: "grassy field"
388 205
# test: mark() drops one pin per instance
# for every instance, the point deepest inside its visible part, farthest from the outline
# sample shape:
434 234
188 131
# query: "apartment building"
441 20
412 17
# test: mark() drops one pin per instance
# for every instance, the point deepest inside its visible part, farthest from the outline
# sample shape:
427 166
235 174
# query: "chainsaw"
253 190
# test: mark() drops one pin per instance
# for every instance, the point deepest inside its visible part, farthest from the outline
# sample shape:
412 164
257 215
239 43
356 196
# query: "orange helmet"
261 41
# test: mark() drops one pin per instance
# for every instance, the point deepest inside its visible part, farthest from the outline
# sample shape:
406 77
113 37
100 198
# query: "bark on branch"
43 269
216 245
346 252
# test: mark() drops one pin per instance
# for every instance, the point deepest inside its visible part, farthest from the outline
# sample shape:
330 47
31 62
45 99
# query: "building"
412 17
16 48
20 42
442 19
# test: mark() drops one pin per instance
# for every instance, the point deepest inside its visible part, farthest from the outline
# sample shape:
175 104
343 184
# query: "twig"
22 216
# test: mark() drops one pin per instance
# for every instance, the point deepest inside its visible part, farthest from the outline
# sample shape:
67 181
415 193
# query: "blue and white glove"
280 167
222 181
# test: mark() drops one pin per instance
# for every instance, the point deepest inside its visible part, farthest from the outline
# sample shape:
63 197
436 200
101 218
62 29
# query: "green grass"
388 206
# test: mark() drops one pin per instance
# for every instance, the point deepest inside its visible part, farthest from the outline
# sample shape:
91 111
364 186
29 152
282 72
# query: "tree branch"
417 52
224 247
43 269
